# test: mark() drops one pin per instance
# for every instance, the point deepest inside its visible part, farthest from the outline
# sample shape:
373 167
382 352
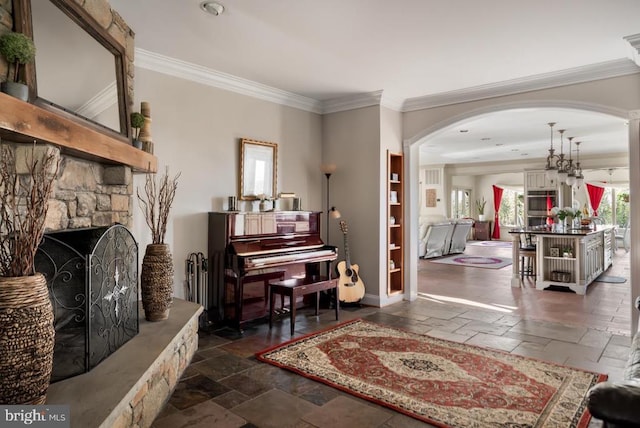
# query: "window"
614 207
618 213
512 208
605 210
622 207
460 203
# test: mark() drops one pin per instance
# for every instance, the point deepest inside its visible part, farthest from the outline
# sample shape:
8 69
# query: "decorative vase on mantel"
156 282
27 338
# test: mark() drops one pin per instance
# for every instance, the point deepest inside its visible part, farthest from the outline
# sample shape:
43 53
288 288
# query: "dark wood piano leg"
292 305
317 302
239 292
271 306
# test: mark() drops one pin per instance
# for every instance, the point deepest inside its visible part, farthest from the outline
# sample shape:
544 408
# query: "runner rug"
610 278
440 382
475 261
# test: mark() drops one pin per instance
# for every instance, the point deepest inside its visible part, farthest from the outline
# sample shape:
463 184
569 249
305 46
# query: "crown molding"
634 114
603 70
206 76
634 43
351 102
366 99
100 102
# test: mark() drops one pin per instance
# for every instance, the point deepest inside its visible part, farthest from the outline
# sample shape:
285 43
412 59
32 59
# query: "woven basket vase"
27 337
156 282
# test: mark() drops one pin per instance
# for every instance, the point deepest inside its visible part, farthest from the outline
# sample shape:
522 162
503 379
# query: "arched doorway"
411 146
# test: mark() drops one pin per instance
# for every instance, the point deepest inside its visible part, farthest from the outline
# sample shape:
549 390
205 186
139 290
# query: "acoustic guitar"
350 285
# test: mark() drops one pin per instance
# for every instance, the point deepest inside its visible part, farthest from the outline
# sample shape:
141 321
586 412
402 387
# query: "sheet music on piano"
249 247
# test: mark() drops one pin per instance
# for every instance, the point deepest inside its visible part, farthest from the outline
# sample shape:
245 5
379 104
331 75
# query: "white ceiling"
408 49
524 134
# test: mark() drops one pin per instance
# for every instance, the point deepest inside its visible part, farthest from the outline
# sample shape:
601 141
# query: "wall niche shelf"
24 122
395 232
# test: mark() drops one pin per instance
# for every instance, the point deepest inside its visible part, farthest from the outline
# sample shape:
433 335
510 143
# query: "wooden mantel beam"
25 122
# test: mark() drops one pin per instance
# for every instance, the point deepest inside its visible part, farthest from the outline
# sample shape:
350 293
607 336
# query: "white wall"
442 192
196 130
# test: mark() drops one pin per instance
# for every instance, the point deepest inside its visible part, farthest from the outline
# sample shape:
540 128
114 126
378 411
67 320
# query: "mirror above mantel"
49 121
79 71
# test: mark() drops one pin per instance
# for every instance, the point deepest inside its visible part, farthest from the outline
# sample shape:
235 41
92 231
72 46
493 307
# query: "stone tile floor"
225 386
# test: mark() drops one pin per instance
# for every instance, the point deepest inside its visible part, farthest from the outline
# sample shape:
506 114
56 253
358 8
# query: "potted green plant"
137 120
624 197
27 334
480 204
18 50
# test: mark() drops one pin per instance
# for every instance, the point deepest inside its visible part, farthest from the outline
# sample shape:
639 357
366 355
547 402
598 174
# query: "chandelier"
561 169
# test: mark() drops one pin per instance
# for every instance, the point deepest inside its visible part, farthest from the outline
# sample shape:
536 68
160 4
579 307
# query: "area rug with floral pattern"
444 383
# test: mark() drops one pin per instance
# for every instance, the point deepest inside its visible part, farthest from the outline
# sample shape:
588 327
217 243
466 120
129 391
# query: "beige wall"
390 140
196 131
616 95
351 140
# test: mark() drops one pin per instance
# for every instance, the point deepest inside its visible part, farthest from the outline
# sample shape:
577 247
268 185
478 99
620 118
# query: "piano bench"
264 277
297 287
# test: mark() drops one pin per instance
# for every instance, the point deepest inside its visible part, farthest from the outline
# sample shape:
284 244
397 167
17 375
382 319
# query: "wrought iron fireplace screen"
92 275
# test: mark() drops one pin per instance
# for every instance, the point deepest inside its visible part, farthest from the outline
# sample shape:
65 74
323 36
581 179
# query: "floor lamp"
328 169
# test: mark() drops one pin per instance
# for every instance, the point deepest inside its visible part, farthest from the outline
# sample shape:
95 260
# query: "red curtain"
497 199
595 196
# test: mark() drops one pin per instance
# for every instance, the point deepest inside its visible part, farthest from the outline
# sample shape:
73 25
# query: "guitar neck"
346 251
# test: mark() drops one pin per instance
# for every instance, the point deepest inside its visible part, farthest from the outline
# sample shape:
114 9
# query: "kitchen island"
572 259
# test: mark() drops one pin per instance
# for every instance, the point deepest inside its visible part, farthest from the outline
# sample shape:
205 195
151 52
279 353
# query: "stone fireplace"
85 193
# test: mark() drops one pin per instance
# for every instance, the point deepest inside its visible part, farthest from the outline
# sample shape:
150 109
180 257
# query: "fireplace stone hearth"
130 388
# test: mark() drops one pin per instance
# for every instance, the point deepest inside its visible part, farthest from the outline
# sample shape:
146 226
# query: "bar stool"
527 257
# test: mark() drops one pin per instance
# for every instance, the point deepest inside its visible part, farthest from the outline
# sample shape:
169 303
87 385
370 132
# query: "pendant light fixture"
559 168
579 177
551 170
571 176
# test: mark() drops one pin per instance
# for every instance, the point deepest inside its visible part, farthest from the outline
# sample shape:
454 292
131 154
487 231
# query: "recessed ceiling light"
485 139
524 154
464 130
212 7
515 150
499 144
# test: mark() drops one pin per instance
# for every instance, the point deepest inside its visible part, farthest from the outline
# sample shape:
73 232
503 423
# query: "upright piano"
255 247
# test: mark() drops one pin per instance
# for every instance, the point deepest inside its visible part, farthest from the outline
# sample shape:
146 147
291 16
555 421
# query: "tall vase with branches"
156 279
27 335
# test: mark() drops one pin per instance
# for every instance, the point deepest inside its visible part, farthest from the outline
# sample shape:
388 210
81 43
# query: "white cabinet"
537 180
572 260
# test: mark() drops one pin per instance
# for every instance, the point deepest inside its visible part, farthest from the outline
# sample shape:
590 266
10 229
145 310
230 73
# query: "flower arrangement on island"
566 212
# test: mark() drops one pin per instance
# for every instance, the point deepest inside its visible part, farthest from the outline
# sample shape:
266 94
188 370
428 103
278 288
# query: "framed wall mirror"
258 169
79 69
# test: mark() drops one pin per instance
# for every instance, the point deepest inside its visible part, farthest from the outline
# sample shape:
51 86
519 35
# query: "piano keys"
247 250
